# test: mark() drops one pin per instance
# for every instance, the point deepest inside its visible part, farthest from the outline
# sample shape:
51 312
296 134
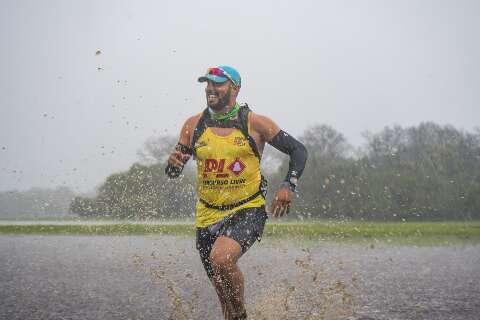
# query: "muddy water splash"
312 292
307 291
181 309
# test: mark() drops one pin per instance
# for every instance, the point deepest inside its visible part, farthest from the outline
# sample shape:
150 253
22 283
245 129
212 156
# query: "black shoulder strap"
241 123
243 126
199 129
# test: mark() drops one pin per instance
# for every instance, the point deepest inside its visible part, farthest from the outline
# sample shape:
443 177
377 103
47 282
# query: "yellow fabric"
227 172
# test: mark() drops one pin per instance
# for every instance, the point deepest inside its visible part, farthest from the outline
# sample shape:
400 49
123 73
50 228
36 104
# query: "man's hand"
176 161
281 202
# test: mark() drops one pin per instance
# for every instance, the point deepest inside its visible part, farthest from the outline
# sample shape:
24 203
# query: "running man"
227 140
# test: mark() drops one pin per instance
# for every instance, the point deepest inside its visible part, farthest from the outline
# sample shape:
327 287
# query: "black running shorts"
244 226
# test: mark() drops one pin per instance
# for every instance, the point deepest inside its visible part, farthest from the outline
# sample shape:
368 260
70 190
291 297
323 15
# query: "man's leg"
221 297
228 279
220 254
205 242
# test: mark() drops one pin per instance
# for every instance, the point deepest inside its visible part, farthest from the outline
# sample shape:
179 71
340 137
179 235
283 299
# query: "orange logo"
237 167
215 166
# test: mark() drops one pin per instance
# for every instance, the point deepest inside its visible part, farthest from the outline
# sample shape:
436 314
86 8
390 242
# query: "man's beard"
222 102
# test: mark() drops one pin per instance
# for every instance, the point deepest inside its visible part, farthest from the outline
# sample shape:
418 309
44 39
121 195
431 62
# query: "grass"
421 233
408 232
72 217
103 229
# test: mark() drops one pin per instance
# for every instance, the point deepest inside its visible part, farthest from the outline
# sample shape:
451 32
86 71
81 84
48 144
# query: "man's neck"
228 114
225 109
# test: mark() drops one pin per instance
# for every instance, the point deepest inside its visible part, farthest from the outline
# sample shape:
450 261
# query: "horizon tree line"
423 172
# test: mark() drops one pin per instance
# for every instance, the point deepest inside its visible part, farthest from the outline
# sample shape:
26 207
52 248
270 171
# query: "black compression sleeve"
295 149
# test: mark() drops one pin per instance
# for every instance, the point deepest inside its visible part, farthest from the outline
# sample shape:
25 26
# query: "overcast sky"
71 117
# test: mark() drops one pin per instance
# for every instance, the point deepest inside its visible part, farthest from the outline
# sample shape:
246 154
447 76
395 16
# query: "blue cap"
221 74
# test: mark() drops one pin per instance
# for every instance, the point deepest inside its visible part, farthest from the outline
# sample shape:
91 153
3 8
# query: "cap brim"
212 78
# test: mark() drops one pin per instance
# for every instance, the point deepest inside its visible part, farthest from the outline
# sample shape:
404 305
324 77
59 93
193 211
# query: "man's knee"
222 260
225 253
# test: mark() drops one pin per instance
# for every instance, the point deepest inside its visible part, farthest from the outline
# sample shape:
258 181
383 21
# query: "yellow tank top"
228 171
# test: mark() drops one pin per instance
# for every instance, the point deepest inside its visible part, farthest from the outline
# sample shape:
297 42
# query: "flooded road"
161 277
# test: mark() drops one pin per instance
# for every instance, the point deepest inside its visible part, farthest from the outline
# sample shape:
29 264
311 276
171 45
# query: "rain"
384 223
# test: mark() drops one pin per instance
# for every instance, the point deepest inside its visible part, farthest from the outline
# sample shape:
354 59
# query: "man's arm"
183 150
282 141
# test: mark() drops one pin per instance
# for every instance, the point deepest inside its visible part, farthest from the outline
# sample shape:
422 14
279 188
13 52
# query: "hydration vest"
240 123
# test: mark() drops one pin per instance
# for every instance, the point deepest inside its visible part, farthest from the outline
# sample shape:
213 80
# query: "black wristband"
172 171
292 187
184 149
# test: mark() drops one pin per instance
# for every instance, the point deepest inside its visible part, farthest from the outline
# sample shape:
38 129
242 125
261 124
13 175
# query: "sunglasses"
216 71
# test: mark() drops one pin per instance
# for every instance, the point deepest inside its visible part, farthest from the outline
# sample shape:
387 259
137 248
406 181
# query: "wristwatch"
291 184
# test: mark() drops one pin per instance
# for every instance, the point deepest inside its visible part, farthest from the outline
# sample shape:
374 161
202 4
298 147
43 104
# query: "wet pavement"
161 277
